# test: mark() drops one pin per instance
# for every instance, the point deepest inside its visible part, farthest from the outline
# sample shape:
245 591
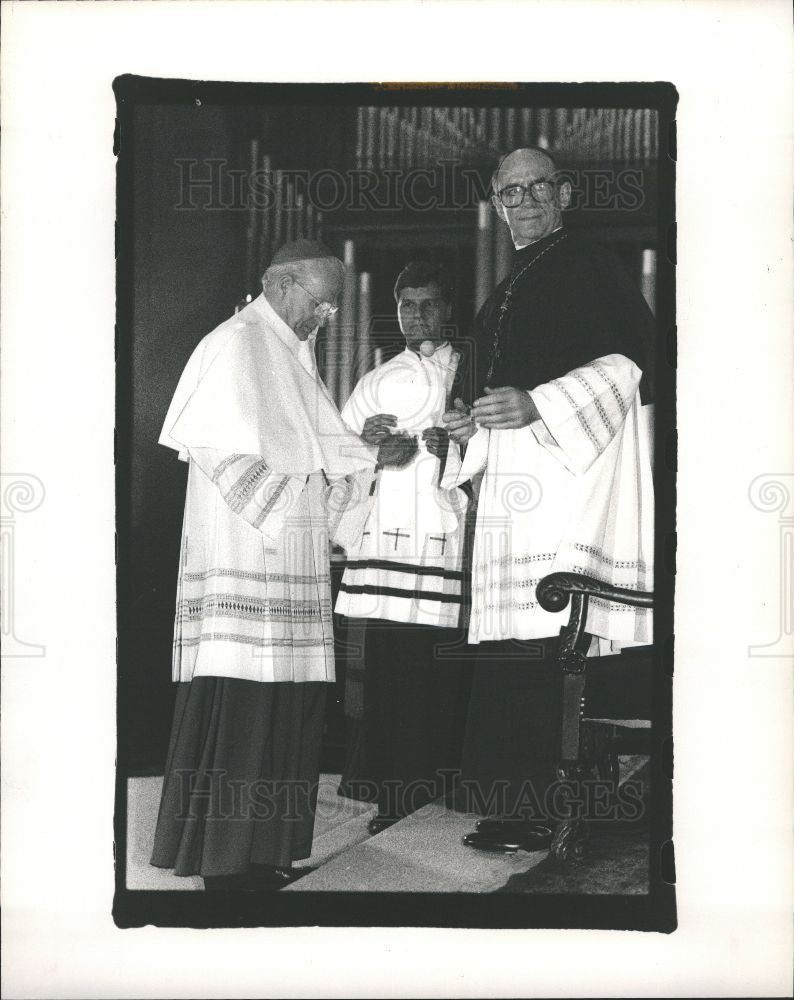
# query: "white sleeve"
257 494
355 411
349 502
581 412
473 461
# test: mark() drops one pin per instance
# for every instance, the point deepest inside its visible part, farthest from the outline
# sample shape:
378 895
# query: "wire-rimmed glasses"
323 310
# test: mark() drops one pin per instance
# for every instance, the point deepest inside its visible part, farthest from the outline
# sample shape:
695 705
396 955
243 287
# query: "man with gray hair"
253 642
564 357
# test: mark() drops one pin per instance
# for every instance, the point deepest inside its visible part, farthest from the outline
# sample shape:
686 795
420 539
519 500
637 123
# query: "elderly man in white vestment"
253 643
560 430
403 581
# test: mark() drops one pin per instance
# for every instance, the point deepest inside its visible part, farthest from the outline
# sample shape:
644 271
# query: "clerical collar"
441 354
524 254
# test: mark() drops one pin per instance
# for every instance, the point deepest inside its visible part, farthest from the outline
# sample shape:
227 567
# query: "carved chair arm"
556 590
554 593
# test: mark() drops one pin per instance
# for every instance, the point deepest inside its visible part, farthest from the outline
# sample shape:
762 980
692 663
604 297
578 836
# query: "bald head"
531 214
533 154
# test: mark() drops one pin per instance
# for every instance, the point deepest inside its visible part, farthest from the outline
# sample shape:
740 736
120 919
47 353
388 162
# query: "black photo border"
655 911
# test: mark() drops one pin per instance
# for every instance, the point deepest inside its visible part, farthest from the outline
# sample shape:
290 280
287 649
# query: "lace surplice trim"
251 608
600 555
324 641
505 606
517 560
596 402
599 368
579 415
271 503
507 583
611 605
224 465
294 578
245 487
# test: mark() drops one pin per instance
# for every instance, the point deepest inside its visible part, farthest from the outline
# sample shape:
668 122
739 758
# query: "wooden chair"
613 691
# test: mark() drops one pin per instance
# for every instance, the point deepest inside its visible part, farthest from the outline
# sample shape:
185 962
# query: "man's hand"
397 450
437 441
459 423
377 428
505 409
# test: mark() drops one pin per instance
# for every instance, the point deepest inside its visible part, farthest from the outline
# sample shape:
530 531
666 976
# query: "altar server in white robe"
560 429
253 644
403 580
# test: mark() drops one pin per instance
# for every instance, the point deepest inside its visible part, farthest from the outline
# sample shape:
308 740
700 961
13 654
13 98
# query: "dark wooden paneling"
187 266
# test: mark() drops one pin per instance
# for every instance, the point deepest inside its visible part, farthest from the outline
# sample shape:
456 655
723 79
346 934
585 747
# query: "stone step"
421 853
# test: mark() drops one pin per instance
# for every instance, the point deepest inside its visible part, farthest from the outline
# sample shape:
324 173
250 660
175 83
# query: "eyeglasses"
541 190
323 310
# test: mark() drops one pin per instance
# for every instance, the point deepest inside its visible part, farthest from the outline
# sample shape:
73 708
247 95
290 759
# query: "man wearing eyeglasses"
253 641
558 430
402 586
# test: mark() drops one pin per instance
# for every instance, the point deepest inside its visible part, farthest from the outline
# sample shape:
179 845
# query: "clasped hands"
505 408
397 448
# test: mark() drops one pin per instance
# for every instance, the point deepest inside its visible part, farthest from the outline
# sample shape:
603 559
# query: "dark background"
190 267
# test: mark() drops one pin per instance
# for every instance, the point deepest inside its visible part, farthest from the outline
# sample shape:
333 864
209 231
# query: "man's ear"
284 284
500 209
565 194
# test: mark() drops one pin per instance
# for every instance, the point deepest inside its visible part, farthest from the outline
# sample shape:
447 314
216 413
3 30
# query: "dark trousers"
512 742
415 698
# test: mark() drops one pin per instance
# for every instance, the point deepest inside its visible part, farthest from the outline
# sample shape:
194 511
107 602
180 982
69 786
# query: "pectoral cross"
397 536
442 539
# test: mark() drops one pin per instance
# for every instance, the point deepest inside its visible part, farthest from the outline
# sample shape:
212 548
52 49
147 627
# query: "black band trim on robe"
446 574
417 595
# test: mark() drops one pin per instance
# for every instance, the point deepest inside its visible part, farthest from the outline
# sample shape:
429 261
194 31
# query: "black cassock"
404 750
567 303
240 784
570 301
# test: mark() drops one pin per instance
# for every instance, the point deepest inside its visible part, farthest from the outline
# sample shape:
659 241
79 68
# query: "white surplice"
406 564
572 491
263 439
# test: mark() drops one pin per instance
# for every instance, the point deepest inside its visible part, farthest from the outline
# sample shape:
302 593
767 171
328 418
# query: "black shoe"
270 878
379 823
286 876
505 842
513 828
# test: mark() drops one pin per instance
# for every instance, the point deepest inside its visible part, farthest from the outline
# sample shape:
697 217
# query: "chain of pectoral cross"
496 347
